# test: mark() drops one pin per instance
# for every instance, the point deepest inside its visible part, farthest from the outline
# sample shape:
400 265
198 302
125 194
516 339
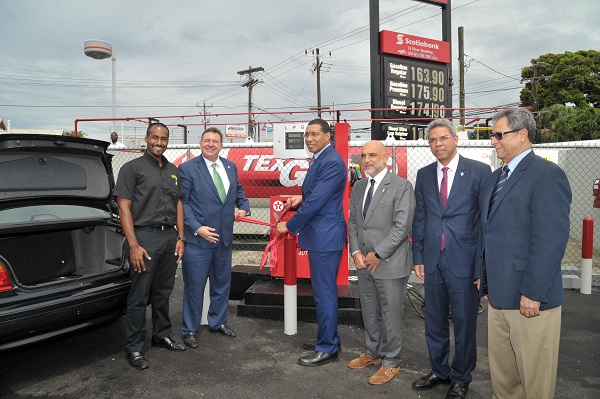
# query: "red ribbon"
273 245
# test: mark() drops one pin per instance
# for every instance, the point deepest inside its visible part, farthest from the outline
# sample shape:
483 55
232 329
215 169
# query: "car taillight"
5 283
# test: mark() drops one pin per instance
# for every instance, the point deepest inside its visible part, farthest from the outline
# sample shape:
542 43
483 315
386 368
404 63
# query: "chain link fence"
263 176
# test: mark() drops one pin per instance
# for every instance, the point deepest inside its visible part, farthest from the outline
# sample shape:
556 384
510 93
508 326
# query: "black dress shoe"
318 359
457 391
136 360
224 330
311 345
428 382
190 340
168 343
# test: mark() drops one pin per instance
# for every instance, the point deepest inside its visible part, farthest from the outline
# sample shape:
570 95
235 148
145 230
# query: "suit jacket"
202 205
459 221
525 235
386 226
320 222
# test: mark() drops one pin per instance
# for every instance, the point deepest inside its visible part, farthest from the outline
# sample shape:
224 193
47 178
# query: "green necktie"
218 183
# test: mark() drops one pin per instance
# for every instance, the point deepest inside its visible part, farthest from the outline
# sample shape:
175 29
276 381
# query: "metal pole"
114 90
376 98
461 75
290 288
447 37
318 67
587 249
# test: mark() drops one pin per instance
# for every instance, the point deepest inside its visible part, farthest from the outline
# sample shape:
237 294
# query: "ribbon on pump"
276 238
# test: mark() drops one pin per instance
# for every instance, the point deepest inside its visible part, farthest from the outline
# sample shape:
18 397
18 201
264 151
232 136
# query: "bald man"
381 213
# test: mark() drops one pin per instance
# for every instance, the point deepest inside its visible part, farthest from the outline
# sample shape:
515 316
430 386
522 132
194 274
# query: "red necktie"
444 198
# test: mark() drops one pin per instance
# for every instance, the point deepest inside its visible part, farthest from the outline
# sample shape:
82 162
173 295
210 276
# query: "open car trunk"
39 258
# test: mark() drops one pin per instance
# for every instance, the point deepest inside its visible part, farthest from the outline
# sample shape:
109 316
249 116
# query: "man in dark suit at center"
321 229
445 239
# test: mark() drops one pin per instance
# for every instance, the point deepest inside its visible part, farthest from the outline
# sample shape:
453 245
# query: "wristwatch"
377 255
182 238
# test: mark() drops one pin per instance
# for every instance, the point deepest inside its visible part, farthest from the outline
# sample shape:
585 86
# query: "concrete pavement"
261 362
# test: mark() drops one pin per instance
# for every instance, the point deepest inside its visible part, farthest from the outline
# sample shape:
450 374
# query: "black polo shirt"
153 190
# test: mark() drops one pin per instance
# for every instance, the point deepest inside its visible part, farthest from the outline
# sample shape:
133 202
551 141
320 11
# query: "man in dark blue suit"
445 237
525 222
211 193
321 229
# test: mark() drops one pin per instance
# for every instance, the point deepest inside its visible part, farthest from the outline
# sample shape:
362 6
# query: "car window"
33 215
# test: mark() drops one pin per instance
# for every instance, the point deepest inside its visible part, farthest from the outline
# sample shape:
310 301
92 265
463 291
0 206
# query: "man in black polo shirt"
149 193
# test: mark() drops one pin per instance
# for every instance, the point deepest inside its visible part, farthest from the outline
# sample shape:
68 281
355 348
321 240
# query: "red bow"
273 245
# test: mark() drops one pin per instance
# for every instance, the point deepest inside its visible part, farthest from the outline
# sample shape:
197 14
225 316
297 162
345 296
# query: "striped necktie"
501 181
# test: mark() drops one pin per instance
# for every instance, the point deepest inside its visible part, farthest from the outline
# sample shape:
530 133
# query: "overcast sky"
174 56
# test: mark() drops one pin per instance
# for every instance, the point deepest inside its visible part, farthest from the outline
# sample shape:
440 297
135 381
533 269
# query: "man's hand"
420 271
282 228
528 307
136 257
208 234
372 262
293 202
359 260
179 250
241 213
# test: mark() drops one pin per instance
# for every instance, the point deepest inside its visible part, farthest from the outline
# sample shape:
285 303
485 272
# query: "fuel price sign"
415 83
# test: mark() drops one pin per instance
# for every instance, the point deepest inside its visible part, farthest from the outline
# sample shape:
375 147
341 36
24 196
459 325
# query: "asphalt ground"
261 362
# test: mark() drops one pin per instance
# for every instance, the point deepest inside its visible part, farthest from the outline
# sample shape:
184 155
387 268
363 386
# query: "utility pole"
318 64
205 121
250 83
461 74
536 103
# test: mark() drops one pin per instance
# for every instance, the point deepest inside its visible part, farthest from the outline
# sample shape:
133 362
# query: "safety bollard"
290 288
587 247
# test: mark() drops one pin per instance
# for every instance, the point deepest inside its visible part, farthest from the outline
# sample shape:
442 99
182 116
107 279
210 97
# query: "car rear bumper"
35 323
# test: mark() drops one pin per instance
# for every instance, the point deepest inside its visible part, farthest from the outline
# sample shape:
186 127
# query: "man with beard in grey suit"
381 213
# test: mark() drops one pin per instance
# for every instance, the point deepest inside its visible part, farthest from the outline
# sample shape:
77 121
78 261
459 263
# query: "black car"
61 245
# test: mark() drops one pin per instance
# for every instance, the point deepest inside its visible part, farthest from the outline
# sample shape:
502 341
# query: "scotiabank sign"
404 45
262 175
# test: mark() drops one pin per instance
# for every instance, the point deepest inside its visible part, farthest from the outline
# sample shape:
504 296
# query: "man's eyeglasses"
498 135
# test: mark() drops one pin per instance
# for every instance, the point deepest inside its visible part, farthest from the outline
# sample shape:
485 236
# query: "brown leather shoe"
362 361
383 375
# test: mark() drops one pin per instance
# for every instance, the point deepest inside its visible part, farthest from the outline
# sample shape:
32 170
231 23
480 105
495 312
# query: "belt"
161 227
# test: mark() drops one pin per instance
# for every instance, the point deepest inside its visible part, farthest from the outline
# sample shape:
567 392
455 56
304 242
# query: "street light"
99 50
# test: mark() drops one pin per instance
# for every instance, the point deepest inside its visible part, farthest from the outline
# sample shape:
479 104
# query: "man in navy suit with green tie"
212 191
321 229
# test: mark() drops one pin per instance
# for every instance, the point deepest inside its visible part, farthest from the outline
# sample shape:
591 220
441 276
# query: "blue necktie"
368 199
503 178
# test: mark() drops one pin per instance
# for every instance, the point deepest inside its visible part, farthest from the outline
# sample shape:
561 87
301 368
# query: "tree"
72 133
568 123
569 78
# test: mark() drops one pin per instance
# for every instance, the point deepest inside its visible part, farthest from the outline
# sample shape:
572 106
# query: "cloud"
174 56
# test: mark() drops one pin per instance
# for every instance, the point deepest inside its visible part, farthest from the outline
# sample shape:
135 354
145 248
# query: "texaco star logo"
278 206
